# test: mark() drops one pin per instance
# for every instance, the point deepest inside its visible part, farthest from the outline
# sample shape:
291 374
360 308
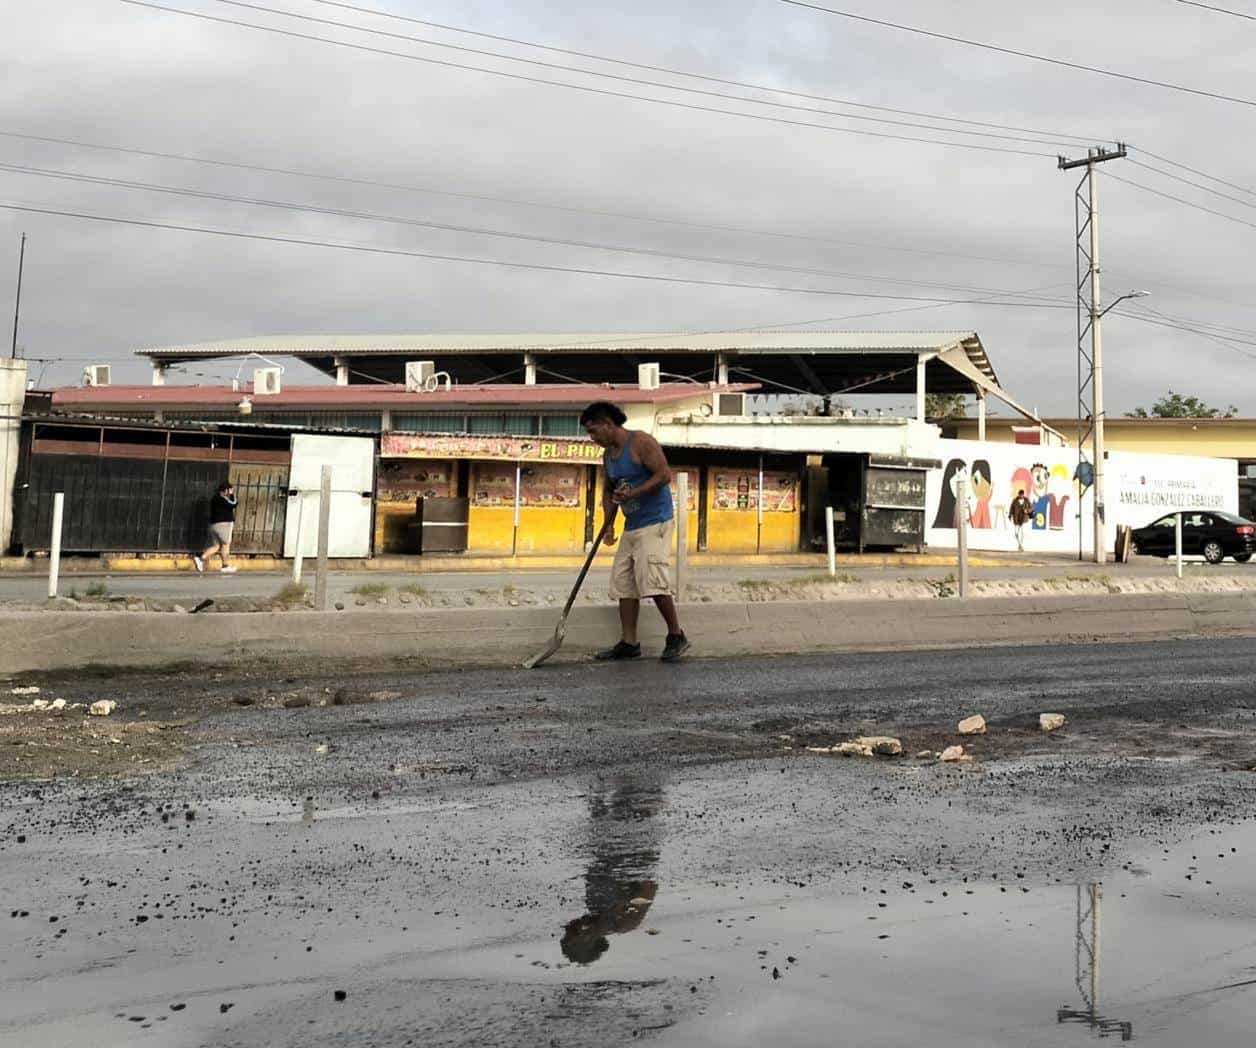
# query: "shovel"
560 631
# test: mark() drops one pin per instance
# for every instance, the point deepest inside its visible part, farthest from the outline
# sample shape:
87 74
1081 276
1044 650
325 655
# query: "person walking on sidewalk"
222 509
1021 512
637 482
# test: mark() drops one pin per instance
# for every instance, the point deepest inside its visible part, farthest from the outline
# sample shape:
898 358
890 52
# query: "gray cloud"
111 73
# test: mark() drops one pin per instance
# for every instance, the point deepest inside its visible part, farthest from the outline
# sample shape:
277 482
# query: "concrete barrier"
54 641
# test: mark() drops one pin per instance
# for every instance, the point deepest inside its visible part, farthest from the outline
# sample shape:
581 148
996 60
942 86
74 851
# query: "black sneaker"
622 650
677 644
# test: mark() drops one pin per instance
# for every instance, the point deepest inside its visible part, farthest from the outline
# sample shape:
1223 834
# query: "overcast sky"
105 72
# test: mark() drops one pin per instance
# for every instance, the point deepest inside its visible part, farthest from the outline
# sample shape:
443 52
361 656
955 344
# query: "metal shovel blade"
560 631
555 643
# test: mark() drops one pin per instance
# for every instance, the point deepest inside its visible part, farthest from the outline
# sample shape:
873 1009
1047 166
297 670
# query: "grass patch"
292 593
509 591
755 585
97 589
822 577
369 589
944 587
415 589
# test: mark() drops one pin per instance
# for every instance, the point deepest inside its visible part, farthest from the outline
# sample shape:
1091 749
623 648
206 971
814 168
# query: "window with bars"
502 423
429 421
561 426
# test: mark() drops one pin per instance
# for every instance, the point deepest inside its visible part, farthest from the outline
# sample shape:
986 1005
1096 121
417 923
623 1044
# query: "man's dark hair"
603 409
226 485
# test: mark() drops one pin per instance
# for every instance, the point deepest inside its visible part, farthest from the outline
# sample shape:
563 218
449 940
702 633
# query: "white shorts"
643 562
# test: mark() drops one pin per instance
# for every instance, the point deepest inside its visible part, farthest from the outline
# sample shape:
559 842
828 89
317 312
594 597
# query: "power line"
1195 171
1197 185
432 256
1022 54
586 87
1180 200
475 230
1195 331
1219 10
631 79
1076 140
515 202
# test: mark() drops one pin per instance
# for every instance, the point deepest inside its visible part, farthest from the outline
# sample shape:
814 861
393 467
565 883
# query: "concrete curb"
437 565
43 642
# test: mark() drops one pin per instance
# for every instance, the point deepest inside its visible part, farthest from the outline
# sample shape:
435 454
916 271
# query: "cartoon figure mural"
1059 490
1038 495
955 469
982 489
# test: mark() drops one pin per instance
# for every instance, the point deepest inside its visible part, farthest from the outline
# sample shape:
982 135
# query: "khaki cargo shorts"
643 562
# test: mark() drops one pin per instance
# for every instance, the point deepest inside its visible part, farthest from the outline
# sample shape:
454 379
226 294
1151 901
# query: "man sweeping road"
638 482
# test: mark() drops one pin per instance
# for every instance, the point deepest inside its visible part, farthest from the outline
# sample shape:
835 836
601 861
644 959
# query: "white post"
721 369
828 535
682 533
514 542
529 369
300 554
1096 333
324 535
54 558
961 524
342 370
920 389
159 373
981 414
758 542
1177 541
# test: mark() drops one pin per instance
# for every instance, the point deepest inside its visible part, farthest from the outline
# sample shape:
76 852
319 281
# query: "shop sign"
508 449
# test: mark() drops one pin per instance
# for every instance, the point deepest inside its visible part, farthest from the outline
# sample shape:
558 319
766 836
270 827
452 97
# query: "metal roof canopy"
809 361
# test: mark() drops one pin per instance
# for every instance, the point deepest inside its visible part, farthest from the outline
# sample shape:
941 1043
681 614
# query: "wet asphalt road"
598 855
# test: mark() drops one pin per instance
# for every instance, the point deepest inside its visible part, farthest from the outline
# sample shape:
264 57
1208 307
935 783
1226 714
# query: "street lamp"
1128 294
1096 315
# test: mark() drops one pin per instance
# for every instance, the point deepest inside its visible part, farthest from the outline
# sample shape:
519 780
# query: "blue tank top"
641 512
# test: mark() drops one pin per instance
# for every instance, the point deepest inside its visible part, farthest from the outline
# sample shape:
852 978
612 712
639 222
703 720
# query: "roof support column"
920 388
342 370
159 373
981 414
721 369
529 369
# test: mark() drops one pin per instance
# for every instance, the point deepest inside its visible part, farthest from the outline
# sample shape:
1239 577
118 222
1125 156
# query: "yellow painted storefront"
558 483
733 518
552 505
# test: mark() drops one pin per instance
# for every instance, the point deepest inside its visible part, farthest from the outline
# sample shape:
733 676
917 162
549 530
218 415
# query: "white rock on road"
881 745
1051 721
102 707
974 725
953 753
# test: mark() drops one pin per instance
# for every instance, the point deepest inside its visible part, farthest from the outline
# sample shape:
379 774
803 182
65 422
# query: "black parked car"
1209 533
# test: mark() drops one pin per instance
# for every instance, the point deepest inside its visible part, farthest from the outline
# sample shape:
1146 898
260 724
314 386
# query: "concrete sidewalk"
535 584
41 642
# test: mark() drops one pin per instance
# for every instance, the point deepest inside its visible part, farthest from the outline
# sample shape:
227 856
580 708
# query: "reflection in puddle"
1089 919
624 839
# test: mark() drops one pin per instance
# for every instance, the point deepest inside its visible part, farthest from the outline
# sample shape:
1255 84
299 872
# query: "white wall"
1140 488
899 437
12 396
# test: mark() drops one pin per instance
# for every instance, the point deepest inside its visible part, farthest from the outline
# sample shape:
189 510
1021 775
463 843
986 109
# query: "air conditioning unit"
417 374
648 376
96 375
730 405
267 381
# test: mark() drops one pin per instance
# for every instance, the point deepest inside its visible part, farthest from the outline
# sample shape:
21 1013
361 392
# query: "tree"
1176 405
945 405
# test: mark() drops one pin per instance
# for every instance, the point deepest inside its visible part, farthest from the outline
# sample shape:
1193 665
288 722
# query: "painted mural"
1139 487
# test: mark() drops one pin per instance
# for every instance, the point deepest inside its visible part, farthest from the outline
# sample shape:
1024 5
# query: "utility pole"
1090 362
17 305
